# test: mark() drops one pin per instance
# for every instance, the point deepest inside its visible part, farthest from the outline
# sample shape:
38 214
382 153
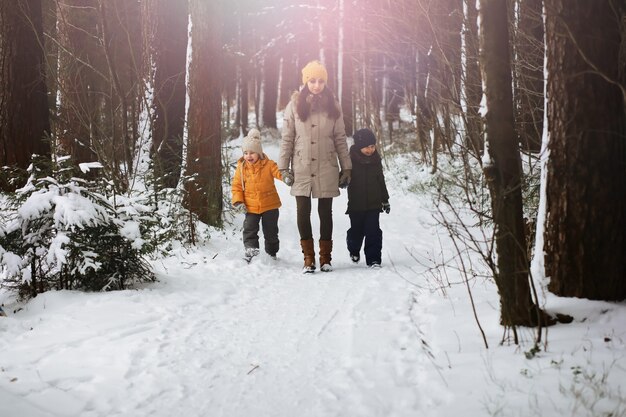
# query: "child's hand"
287 177
240 207
386 207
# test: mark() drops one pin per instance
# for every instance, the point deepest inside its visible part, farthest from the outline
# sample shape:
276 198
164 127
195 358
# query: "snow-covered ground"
217 337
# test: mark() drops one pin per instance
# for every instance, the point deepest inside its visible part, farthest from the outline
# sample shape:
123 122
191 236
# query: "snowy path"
216 337
297 345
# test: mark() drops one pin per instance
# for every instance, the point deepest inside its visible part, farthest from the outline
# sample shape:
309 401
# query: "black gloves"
344 178
386 207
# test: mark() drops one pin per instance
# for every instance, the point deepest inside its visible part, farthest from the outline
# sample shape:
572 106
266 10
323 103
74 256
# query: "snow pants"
365 225
269 221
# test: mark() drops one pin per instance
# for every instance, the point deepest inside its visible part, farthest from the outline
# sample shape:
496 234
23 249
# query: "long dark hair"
326 101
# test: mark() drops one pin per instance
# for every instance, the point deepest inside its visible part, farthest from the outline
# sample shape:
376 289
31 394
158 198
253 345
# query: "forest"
127 106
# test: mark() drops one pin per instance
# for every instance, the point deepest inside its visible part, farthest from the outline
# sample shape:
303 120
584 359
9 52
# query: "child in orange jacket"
253 186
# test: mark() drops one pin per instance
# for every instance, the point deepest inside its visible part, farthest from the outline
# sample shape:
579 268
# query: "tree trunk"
270 90
204 157
345 67
286 80
347 103
51 54
424 114
473 82
169 53
449 41
244 105
586 182
529 83
24 118
504 172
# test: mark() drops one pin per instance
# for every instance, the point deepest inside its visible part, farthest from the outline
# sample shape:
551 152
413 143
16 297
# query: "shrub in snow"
167 223
63 232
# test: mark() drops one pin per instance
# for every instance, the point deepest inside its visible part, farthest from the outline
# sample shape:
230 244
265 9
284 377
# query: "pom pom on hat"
364 138
314 69
252 142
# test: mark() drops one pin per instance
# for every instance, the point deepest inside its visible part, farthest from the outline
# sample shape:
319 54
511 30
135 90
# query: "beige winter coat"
315 150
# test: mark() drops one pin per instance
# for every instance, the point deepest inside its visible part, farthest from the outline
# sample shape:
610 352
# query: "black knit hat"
364 138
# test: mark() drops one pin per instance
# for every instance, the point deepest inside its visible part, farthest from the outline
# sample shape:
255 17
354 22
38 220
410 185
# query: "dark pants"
365 225
325 212
269 219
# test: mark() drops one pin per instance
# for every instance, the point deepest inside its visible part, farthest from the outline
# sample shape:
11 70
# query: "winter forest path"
267 340
218 337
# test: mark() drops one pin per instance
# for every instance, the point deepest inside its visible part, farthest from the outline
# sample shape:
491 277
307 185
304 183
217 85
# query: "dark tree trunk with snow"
529 75
423 105
243 104
504 172
289 81
347 102
446 49
586 183
245 99
473 81
423 108
24 118
345 71
270 90
204 150
169 52
51 54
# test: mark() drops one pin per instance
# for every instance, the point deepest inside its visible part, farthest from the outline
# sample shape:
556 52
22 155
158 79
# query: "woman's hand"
344 178
287 176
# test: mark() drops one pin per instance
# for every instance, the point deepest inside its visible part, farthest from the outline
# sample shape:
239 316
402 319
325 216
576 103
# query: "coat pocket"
332 158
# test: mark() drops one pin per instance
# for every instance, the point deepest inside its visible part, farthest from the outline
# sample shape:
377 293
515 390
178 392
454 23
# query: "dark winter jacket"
367 189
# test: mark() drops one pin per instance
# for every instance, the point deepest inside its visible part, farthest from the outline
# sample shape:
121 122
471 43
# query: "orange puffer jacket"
253 185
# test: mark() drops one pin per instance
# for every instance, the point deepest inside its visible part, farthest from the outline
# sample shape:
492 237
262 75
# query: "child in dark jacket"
367 198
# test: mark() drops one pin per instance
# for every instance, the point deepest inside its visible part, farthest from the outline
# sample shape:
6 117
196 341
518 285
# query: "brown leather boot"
308 249
326 247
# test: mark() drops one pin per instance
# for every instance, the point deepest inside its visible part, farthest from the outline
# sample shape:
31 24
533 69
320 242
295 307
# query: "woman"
312 151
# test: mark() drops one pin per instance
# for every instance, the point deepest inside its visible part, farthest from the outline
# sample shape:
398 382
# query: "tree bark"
347 101
244 105
585 249
169 52
24 117
270 90
204 157
473 82
345 70
504 171
424 113
530 52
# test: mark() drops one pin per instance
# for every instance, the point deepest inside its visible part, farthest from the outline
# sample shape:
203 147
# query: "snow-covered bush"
64 232
167 222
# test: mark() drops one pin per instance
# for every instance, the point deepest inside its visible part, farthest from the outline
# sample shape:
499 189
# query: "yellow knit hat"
314 69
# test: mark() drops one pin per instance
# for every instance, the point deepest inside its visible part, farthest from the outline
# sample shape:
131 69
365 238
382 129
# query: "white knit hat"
252 142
